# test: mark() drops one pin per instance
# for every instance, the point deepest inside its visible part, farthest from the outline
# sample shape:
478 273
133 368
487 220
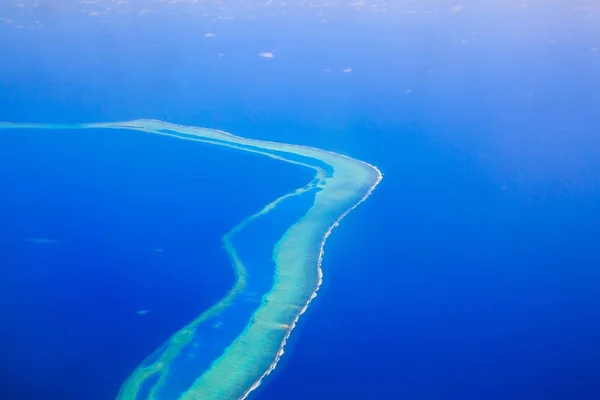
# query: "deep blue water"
471 273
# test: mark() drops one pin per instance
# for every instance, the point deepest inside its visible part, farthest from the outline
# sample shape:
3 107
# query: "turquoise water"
254 246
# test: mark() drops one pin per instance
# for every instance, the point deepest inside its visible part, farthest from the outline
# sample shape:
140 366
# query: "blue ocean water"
471 273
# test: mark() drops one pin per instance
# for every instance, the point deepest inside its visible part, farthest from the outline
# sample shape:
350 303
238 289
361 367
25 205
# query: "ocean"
470 273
